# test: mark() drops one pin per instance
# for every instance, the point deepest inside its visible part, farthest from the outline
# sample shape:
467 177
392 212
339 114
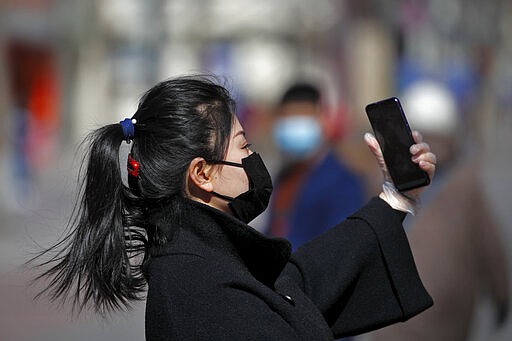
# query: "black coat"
219 279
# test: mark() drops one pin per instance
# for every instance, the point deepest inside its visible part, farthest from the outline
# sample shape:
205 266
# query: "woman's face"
229 180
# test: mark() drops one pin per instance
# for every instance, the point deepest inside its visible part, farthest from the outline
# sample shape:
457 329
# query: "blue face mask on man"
298 136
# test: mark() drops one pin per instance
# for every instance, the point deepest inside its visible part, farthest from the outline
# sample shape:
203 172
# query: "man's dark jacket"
219 279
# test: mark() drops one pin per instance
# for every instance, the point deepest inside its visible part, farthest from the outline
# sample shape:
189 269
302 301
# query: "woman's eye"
248 145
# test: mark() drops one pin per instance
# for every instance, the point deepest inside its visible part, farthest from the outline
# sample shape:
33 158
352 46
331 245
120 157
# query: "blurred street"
70 66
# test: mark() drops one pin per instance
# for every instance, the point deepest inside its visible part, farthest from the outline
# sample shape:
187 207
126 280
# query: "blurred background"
69 66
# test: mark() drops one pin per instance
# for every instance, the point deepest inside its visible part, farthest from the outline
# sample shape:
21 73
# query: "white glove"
407 201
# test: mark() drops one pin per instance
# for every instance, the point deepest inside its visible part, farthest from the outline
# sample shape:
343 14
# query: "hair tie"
133 166
128 128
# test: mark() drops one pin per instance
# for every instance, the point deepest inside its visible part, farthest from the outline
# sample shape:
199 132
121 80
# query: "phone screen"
391 129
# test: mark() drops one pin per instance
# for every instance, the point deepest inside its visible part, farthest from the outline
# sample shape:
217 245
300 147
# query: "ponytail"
103 261
91 265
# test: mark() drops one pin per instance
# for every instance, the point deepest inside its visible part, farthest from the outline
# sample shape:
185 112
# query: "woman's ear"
200 174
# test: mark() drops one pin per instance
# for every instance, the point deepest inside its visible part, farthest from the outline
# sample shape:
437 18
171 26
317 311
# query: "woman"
180 226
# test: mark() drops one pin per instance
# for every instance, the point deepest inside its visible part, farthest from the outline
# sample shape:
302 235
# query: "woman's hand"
420 154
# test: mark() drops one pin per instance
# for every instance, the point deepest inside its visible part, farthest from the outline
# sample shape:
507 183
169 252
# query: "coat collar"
209 232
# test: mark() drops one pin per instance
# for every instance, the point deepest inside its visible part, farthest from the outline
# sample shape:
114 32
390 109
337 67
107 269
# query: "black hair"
301 92
113 225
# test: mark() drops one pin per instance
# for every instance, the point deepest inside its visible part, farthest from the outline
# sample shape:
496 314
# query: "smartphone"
391 129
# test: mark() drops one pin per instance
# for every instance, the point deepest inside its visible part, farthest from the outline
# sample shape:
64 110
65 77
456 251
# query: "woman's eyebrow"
240 132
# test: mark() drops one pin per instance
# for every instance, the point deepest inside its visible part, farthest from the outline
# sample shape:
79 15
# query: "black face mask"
252 203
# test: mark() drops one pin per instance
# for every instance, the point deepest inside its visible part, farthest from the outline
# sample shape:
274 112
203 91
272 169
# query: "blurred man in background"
314 189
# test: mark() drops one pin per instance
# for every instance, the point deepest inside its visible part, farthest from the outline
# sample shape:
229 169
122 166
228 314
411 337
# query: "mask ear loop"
222 196
228 163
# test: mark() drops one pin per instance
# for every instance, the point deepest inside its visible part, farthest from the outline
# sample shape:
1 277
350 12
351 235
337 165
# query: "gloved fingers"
422 155
427 157
420 151
416 135
428 167
374 146
419 148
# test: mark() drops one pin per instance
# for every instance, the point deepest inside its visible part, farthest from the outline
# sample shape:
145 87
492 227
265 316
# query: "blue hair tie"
128 128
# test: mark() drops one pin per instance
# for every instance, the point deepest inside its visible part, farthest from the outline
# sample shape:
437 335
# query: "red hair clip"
133 166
